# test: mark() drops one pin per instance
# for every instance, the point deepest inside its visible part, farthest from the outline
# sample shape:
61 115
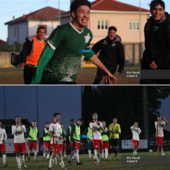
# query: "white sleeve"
139 131
91 125
163 123
23 128
5 135
51 127
156 125
131 127
13 130
101 125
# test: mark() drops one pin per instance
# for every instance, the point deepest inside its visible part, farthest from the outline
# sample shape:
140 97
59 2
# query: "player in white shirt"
55 133
95 127
3 137
18 131
136 131
160 134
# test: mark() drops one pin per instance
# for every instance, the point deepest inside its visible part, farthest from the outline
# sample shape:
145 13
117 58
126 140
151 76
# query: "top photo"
84 42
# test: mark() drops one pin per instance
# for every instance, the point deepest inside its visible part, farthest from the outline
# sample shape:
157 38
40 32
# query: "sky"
10 8
22 101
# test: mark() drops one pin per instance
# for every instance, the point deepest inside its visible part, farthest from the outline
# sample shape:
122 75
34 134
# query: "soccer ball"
150 150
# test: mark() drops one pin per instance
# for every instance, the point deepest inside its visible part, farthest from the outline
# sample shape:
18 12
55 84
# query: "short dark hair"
47 123
76 3
94 113
112 28
81 121
115 118
40 28
157 2
34 121
56 114
136 122
158 115
61 123
71 120
16 116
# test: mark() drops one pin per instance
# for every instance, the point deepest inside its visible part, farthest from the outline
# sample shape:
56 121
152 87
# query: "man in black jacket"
157 43
111 54
30 54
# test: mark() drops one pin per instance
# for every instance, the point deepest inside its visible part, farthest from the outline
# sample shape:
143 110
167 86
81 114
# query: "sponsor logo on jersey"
84 51
113 44
42 47
155 28
87 38
105 42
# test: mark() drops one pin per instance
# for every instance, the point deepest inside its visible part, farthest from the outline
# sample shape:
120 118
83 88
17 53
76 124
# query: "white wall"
23 30
65 20
33 25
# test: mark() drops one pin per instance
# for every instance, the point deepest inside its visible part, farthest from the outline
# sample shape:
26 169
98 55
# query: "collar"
80 32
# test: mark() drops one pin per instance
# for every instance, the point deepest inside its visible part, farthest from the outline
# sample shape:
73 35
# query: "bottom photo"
73 127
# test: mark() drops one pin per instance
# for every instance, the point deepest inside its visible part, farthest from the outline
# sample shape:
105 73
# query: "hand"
153 65
60 137
108 77
98 123
71 142
22 65
81 143
163 117
31 137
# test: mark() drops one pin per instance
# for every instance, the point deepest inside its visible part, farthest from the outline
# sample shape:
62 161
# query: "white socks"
61 163
35 154
89 151
4 159
77 156
18 160
95 154
23 159
44 154
51 162
29 153
106 153
163 154
48 155
98 158
102 153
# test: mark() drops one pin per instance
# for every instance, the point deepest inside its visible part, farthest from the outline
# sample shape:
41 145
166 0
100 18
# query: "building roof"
113 5
47 13
2 42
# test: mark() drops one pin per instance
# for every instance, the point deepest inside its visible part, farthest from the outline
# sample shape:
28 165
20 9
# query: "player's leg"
60 160
18 160
35 150
110 148
161 147
4 158
45 152
89 148
16 151
116 148
73 151
29 150
106 146
24 150
51 161
48 153
99 144
65 148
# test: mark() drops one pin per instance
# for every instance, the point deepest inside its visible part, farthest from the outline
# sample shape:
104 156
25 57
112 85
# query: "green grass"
88 164
85 76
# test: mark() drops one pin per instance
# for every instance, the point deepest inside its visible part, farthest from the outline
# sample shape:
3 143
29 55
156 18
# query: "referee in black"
111 53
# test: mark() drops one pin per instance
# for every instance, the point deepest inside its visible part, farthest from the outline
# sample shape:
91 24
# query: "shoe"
5 165
35 160
47 159
79 163
89 157
28 158
106 159
94 162
99 164
25 166
65 158
66 168
116 158
43 158
19 166
69 162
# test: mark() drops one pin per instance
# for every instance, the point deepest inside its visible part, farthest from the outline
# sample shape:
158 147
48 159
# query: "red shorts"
160 141
47 145
32 145
76 145
98 144
105 145
55 148
20 147
61 146
2 147
135 143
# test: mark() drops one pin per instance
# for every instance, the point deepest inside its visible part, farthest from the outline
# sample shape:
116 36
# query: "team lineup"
99 137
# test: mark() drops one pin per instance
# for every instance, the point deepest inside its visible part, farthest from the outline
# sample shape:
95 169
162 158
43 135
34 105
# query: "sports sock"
72 154
55 158
98 158
23 159
48 155
29 153
110 151
89 151
4 159
95 153
44 154
102 154
77 155
35 154
163 154
18 160
61 163
106 153
51 162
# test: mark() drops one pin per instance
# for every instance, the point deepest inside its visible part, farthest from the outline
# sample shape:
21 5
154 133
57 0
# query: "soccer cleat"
43 158
66 168
102 159
5 165
69 162
79 163
90 157
19 166
94 162
116 158
25 166
99 164
106 159
28 158
35 160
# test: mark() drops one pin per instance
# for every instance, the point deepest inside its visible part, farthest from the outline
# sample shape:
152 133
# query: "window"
14 31
134 25
102 24
45 26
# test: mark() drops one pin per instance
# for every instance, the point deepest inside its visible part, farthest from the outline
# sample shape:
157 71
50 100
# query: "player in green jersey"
61 57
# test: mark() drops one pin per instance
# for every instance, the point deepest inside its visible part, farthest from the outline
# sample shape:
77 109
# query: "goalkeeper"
59 61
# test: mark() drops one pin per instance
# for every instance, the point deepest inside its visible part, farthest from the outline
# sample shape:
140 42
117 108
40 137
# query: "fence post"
133 53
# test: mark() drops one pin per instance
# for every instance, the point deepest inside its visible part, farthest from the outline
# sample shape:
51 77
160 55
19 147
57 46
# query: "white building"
25 26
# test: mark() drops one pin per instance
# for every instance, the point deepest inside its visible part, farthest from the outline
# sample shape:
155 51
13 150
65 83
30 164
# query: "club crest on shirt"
42 47
87 38
155 28
105 42
114 44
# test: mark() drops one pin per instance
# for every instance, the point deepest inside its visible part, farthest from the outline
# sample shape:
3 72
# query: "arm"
96 48
38 136
139 131
68 132
27 133
25 51
121 57
43 61
13 130
23 128
85 132
166 122
44 134
119 130
72 131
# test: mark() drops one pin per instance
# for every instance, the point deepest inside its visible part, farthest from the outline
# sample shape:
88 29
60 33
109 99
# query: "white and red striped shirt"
159 129
135 132
56 130
97 134
18 133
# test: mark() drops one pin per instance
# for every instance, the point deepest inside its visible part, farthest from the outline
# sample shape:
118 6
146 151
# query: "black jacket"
27 49
112 52
157 43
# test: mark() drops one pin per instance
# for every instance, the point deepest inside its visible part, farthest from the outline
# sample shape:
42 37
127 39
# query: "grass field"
85 76
88 164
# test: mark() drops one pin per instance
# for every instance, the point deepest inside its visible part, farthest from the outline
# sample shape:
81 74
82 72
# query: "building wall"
65 20
33 25
121 21
23 30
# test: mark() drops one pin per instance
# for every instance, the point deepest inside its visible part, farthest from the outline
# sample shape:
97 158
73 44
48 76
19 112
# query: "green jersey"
60 59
